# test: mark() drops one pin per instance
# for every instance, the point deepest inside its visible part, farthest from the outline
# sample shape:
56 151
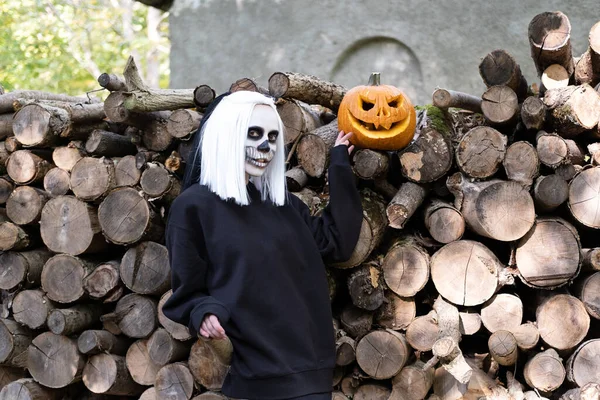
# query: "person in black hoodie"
247 258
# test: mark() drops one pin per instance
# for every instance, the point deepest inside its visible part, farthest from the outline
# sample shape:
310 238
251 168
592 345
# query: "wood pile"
476 274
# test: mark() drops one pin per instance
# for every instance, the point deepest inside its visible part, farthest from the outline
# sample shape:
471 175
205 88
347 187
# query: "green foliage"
62 46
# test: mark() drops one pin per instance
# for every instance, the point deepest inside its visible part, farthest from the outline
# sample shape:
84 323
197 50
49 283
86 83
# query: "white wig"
223 151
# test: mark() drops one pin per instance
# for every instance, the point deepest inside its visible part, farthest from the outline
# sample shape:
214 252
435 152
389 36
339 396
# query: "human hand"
343 140
211 327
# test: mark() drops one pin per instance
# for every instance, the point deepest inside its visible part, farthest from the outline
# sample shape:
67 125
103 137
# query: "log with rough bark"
14 237
174 381
203 96
158 183
109 144
533 113
135 315
444 99
443 221
413 382
28 389
183 123
25 167
6 123
500 105
550 41
371 231
587 68
206 367
396 312
112 82
126 172
306 88
126 218
545 371
574 109
480 152
370 164
313 149
7 100
31 308
63 275
67 321
521 163
145 269
177 331
553 150
247 84
422 332
583 367
584 197
587 291
466 272
11 144
104 282
92 342
554 77
365 286
562 321
372 391
406 267
428 158
549 255
549 192
355 321
65 157
489 208
108 374
404 204
54 361
504 311
298 118
500 68
296 179
164 349
14 342
6 188
142 369
22 268
57 182
382 354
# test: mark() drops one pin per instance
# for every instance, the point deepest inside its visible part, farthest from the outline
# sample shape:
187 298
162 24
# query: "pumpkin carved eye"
380 116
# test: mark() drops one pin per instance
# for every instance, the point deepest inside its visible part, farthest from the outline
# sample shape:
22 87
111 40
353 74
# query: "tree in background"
64 45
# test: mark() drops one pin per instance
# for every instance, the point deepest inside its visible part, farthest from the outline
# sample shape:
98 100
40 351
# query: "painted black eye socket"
393 103
367 105
254 134
273 136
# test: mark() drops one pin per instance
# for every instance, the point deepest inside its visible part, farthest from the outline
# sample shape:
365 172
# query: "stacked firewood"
476 274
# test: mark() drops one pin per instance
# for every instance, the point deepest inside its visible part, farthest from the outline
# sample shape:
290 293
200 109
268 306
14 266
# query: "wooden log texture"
503 347
6 188
14 342
206 367
550 192
533 113
298 118
177 331
550 41
356 321
6 125
28 389
67 321
109 144
582 366
203 96
365 286
504 311
126 218
145 269
521 163
40 125
554 77
26 168
584 197
103 281
247 84
126 172
53 360
22 268
488 207
183 123
31 308
406 268
422 332
372 391
382 354
92 178
92 342
306 88
428 158
465 272
574 109
135 315
7 100
57 182
413 382
404 204
24 206
397 312
500 105
142 369
500 68
549 255
14 237
527 336
296 179
545 371
62 277
112 82
174 380
65 157
108 374
158 183
164 349
469 322
443 221
313 149
562 321
480 152
370 164
444 99
587 291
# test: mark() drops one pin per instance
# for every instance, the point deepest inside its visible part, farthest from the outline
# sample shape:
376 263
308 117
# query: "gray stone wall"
416 45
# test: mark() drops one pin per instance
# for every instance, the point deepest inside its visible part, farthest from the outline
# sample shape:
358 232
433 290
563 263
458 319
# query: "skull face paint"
261 142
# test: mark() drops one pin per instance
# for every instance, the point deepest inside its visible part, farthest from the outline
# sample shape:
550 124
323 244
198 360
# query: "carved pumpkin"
381 116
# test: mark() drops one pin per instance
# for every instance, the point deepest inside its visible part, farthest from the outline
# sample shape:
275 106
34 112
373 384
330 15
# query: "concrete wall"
416 45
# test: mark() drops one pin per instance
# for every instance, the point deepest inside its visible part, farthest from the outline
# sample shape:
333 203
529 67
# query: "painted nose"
264 146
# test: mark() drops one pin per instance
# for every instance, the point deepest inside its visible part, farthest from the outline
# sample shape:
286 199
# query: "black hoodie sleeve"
191 299
337 229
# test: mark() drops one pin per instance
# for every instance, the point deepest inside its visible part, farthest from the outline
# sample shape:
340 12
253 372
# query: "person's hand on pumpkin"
211 327
343 139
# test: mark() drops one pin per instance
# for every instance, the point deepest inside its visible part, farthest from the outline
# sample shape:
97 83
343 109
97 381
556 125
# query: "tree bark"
549 256
14 342
178 331
203 96
428 158
444 99
135 315
13 237
574 109
92 342
533 113
6 188
587 291
296 179
486 207
396 312
109 144
404 204
356 321
12 144
500 68
365 286
112 82
370 164
306 88
67 321
7 100
550 41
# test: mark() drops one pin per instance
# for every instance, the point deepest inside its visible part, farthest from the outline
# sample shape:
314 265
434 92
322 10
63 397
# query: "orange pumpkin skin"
381 117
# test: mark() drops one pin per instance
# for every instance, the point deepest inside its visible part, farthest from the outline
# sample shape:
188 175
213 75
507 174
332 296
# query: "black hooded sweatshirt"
259 268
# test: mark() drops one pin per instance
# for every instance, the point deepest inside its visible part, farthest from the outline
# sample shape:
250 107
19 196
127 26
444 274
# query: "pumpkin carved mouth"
372 129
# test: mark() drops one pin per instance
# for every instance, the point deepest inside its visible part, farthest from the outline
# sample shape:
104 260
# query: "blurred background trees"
64 45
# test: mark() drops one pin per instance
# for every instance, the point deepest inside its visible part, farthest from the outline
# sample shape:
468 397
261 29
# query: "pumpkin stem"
374 79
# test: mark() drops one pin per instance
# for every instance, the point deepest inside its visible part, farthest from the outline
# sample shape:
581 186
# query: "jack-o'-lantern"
380 116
